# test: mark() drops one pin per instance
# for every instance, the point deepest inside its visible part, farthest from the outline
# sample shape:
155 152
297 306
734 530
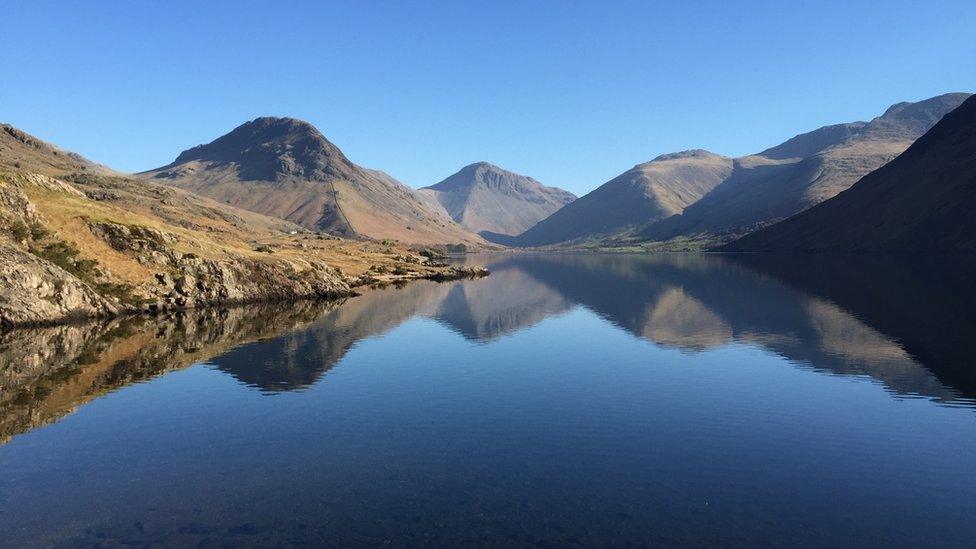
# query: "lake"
567 399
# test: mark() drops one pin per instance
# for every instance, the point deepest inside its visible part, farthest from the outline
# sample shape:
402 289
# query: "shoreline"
448 274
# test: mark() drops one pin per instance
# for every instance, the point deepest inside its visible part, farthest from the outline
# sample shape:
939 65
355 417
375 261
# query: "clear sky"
569 92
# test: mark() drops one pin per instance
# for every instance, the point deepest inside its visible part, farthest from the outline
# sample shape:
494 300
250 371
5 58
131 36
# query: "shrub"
38 231
123 292
65 255
19 230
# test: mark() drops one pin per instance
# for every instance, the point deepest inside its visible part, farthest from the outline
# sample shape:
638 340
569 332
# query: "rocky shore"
64 256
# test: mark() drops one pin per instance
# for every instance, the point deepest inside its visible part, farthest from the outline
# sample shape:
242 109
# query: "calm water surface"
564 400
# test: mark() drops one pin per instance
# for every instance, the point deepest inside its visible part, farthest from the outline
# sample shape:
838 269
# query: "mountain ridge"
651 190
801 172
921 201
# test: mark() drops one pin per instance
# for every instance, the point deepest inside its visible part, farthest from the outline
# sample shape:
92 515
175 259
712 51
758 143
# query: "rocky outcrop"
195 282
132 238
186 281
33 291
458 273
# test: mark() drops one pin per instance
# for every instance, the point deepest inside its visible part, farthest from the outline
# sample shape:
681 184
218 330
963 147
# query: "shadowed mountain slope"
286 168
802 172
488 200
921 201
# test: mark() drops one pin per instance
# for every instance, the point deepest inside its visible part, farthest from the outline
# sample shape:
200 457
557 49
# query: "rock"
456 273
48 183
134 238
33 291
102 194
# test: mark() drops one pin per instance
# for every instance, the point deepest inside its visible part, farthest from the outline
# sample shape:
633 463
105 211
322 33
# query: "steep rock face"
184 280
33 291
488 200
921 201
802 172
286 168
651 191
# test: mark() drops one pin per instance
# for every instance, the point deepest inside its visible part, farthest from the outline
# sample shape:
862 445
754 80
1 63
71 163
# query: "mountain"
654 190
77 239
921 201
488 200
20 151
286 168
802 172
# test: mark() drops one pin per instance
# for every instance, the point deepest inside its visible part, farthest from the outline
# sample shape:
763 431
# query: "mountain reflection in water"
906 322
567 399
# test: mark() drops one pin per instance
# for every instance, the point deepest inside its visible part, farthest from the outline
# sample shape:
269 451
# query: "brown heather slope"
922 201
488 200
654 190
286 168
801 172
78 241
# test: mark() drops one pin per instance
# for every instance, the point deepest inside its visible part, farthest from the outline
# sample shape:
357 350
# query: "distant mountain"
802 172
286 168
20 151
490 201
651 191
922 201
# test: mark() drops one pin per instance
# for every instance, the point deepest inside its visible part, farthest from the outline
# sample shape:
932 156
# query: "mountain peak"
490 200
482 165
690 153
282 124
484 174
269 148
285 167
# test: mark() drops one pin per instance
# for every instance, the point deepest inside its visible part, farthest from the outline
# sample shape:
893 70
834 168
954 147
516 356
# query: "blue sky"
569 92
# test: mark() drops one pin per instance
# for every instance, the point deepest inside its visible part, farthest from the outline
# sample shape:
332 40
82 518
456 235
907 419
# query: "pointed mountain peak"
484 174
490 200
